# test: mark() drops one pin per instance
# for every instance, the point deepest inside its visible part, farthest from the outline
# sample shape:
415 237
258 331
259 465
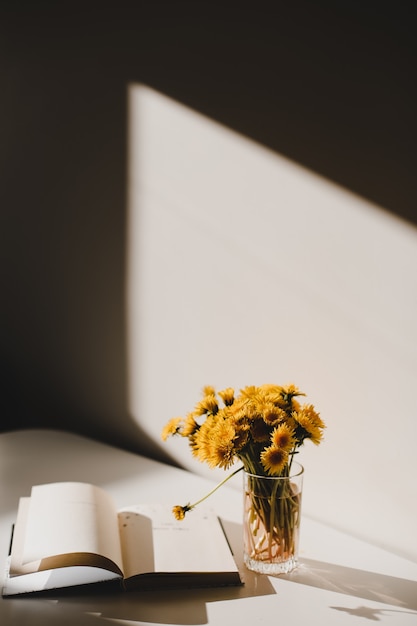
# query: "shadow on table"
357 583
368 612
189 606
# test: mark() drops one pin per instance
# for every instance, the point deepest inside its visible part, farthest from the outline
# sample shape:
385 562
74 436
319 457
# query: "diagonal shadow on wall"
292 81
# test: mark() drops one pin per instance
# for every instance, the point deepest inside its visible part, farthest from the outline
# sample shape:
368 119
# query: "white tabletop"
340 580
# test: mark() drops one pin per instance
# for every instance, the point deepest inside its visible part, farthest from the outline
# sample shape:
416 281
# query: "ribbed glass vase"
271 524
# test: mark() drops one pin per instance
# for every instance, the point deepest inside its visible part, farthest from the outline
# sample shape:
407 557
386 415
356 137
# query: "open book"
69 534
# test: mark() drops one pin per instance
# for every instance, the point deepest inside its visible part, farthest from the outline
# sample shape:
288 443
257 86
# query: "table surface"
340 579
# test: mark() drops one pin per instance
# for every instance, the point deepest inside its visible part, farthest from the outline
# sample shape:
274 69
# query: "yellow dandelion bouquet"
263 428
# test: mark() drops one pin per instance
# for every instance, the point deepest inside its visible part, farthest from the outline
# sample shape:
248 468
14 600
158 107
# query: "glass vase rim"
299 471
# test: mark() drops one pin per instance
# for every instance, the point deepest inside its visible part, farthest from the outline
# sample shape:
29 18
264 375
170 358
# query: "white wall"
245 268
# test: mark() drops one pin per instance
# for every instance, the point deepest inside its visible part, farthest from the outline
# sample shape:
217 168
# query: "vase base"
272 569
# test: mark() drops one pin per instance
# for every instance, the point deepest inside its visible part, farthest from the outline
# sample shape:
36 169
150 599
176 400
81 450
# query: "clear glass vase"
271 524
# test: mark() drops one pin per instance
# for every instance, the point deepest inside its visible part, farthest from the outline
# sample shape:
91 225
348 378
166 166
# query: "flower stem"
239 469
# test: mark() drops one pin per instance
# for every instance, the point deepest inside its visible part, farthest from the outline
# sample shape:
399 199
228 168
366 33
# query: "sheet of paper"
70 517
153 541
19 531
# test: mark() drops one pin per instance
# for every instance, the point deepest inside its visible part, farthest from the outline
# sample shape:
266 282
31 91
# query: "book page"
154 541
65 518
16 556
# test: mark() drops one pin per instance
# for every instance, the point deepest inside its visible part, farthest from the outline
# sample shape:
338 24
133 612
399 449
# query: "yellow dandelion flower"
290 391
228 396
274 460
252 410
208 390
283 437
250 392
307 423
173 427
222 453
180 511
207 405
313 415
238 414
273 415
201 441
276 399
190 425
